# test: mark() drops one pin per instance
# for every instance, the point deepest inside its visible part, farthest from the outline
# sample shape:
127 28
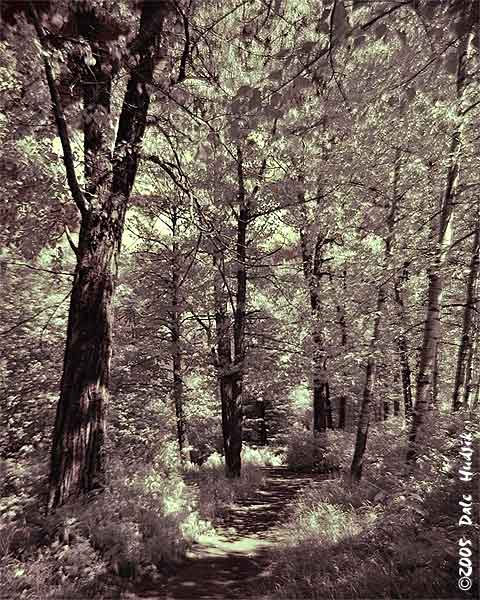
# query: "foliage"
144 521
318 117
397 534
333 448
216 493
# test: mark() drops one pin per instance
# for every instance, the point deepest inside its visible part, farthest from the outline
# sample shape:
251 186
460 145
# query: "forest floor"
234 563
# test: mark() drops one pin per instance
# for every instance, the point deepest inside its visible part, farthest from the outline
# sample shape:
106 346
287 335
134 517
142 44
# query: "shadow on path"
235 563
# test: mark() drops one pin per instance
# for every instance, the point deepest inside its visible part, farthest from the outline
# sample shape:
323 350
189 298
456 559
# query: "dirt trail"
234 563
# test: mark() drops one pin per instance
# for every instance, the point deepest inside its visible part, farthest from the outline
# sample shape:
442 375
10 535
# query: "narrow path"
234 564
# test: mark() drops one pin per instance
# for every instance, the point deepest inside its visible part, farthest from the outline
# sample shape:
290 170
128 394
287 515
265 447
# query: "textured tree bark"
322 414
234 407
224 366
431 333
472 369
77 457
232 421
398 289
435 379
463 371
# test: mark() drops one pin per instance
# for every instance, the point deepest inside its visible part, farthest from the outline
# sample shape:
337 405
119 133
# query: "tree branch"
60 120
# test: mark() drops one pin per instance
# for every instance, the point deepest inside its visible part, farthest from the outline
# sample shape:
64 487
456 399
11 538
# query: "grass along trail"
234 562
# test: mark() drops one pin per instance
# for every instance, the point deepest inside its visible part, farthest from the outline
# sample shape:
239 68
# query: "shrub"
333 450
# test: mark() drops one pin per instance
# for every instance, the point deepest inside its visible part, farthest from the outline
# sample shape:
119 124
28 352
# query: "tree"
77 460
463 374
431 331
372 366
313 259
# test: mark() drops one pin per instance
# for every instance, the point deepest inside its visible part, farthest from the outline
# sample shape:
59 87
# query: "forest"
239 299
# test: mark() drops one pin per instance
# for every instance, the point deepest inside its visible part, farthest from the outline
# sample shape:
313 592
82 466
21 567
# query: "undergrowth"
216 493
393 535
140 526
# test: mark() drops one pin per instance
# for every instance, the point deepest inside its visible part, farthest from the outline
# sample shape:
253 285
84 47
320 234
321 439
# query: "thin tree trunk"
398 289
462 375
320 388
356 468
402 345
261 411
476 397
312 264
230 422
386 410
176 350
341 310
342 412
233 465
431 333
178 392
473 366
77 457
435 379
396 400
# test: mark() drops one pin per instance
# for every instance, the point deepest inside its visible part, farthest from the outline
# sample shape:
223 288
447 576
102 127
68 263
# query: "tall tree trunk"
178 390
402 344
231 366
435 379
462 375
232 433
233 465
261 411
312 258
399 297
77 460
396 400
176 350
473 366
356 468
431 332
342 412
322 418
342 322
77 457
